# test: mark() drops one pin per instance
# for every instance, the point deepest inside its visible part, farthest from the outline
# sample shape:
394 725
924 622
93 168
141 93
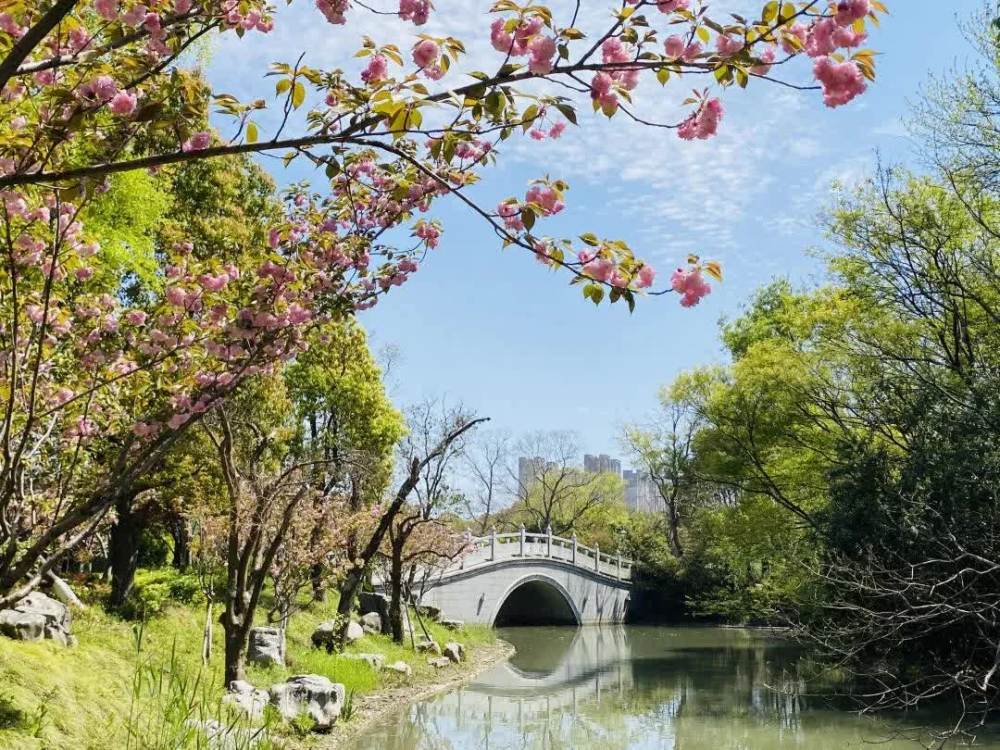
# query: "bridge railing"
522 544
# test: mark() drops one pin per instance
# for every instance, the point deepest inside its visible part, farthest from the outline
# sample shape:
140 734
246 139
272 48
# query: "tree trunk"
236 649
123 551
673 528
349 589
182 543
396 591
318 576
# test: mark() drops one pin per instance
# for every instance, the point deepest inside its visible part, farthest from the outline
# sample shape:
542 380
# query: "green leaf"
251 132
298 94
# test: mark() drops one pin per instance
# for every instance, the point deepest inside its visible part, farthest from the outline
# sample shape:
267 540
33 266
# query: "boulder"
245 697
311 694
425 645
23 626
401 667
372 623
324 635
37 617
428 611
454 651
267 646
439 662
370 602
354 632
375 661
453 624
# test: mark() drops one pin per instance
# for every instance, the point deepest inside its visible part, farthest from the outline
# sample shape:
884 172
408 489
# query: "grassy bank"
126 685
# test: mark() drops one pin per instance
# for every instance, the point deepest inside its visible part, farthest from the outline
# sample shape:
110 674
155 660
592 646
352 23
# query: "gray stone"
454 651
429 611
375 661
23 626
324 636
372 623
246 698
439 662
453 624
312 694
354 632
267 646
425 645
400 666
35 617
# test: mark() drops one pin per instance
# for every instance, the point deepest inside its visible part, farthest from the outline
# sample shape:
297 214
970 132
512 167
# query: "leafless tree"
486 458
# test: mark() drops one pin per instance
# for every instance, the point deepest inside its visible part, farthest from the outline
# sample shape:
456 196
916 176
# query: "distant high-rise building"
641 494
602 464
528 471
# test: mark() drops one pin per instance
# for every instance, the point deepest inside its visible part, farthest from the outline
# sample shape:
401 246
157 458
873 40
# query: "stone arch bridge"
532 579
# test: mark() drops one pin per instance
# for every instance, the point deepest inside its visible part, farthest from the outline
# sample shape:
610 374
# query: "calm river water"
640 689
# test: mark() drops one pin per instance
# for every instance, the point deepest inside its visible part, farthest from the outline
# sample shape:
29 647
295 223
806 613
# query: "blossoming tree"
96 391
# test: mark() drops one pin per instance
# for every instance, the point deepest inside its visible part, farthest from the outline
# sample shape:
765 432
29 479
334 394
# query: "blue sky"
509 339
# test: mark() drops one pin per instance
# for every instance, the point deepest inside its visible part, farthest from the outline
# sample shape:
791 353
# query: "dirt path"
368 709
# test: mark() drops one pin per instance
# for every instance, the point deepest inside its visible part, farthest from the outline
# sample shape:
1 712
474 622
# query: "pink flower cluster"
669 6
542 196
334 10
603 86
525 39
602 268
376 71
691 285
704 123
416 11
677 47
426 55
843 81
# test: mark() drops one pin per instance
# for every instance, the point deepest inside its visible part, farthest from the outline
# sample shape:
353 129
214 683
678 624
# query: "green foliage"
155 589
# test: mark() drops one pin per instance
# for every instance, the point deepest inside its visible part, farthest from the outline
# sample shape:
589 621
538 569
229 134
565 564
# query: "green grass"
79 698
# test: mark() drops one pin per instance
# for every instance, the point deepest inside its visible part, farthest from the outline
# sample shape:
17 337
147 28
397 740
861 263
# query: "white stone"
400 666
267 646
454 651
312 694
354 632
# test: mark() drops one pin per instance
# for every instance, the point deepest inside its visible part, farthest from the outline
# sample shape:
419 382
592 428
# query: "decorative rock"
427 645
369 602
245 697
453 624
354 632
400 666
23 626
324 635
372 623
431 613
223 737
439 662
313 694
454 651
267 646
375 661
35 617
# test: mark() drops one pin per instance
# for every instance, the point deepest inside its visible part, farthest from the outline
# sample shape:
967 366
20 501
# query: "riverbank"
370 709
136 686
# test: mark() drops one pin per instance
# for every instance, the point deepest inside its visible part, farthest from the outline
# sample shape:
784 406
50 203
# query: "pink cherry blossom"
104 88
820 41
545 197
841 82
557 129
704 123
690 285
727 45
416 11
599 269
333 10
766 59
136 317
674 45
182 6
669 6
123 103
800 32
499 38
426 53
646 277
198 141
849 11
542 50
135 15
376 71
106 9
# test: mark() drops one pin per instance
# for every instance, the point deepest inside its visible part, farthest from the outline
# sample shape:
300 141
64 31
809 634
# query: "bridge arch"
536 599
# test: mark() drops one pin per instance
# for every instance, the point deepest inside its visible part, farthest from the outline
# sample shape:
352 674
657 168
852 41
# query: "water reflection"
634 688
